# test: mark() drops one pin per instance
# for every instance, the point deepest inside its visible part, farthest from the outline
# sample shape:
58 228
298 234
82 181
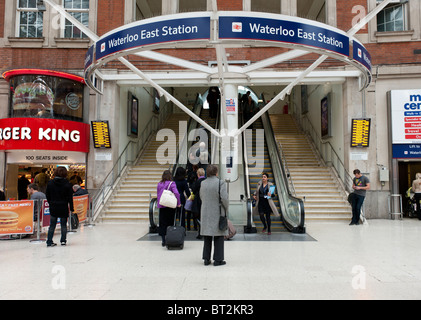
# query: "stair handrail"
288 174
109 183
324 148
249 225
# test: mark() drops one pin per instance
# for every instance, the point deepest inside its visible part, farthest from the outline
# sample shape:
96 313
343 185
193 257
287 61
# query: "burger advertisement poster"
16 217
81 205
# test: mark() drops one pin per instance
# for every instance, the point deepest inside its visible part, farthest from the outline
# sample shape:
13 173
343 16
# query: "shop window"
312 9
148 8
393 18
192 5
29 19
41 96
271 6
79 9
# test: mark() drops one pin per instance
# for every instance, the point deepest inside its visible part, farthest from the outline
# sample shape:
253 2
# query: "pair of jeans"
218 252
356 208
52 228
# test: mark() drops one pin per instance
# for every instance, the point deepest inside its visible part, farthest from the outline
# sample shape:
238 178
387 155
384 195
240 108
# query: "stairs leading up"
130 202
315 183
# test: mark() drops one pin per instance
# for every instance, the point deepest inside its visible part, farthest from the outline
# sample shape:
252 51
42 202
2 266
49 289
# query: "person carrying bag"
215 202
166 192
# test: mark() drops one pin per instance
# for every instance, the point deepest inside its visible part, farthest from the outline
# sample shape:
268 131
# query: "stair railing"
285 163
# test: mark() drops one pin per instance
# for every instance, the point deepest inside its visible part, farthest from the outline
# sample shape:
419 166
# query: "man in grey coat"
215 201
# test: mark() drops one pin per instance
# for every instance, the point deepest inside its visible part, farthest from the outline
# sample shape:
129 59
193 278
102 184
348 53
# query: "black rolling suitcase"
175 235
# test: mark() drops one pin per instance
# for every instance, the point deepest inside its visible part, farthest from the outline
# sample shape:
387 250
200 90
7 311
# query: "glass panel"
23 3
380 18
85 4
23 31
41 96
68 4
148 8
312 9
77 4
192 5
32 4
390 26
391 19
272 6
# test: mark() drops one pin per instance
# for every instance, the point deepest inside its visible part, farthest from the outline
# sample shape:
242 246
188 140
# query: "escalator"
262 164
291 209
184 148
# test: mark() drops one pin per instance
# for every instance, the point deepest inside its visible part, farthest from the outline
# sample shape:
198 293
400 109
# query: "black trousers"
218 252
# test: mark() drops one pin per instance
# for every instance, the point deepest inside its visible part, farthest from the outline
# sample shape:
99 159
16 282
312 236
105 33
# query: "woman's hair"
180 174
200 172
166 176
60 172
211 170
265 174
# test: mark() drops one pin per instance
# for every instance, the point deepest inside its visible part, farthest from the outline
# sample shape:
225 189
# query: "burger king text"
25 133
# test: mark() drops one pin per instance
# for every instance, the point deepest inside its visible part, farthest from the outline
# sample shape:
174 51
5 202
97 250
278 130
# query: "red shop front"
46 128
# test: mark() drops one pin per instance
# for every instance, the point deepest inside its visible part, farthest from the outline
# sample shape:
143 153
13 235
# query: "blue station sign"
289 30
145 34
361 55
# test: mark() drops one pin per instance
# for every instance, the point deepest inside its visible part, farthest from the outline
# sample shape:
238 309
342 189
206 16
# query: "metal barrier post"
89 222
395 208
38 240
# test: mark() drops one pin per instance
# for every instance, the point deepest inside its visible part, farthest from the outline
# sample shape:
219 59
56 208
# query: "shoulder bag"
168 198
223 220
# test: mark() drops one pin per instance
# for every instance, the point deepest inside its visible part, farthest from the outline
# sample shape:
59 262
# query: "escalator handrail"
269 133
152 208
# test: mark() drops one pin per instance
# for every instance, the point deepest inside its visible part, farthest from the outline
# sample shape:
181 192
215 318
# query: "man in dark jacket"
60 198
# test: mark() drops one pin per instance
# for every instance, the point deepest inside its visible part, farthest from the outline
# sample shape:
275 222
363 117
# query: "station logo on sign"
103 47
237 27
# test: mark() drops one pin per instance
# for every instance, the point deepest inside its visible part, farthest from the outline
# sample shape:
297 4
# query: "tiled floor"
380 260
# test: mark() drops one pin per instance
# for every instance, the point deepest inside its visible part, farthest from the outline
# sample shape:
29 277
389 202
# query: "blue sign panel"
406 151
361 55
286 31
89 57
154 33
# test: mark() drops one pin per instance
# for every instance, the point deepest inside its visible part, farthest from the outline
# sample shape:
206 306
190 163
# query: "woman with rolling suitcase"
166 214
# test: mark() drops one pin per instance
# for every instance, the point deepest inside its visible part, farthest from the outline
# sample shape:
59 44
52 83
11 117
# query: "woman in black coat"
183 190
60 198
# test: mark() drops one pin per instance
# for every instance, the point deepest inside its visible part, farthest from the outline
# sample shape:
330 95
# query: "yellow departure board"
360 133
101 134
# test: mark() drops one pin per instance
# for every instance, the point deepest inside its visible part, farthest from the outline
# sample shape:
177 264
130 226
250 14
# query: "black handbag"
223 220
351 198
